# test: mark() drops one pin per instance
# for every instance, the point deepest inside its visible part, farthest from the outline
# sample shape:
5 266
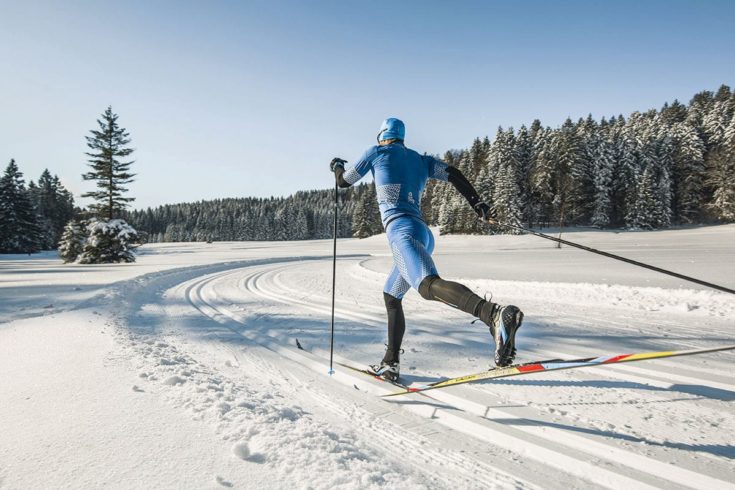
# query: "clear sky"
253 98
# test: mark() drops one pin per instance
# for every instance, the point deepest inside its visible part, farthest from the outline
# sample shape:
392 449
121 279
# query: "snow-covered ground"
181 371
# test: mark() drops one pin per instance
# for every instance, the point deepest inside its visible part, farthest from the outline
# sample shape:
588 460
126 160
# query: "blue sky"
228 99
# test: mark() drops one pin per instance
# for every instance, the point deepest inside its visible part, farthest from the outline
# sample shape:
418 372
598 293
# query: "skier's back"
400 177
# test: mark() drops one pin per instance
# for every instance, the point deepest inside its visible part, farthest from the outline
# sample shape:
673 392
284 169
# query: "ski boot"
389 368
504 322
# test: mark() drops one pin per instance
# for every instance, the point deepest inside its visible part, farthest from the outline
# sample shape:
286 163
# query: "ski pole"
334 275
616 257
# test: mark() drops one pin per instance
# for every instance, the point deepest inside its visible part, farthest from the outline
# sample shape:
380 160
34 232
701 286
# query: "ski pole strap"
622 259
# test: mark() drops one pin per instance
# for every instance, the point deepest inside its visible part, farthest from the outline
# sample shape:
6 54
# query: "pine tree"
722 178
507 207
664 163
109 146
602 158
72 241
687 173
642 214
467 222
674 113
366 215
567 154
582 192
20 230
524 158
55 206
110 241
542 175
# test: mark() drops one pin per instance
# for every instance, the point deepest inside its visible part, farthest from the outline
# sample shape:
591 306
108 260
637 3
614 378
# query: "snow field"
180 371
663 471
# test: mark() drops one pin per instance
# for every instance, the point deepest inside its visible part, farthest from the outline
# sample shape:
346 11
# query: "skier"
400 176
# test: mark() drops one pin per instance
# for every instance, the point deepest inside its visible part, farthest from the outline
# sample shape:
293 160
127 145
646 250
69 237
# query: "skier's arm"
463 186
346 178
338 167
442 171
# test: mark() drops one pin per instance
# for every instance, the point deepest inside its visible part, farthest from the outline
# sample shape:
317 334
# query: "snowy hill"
181 371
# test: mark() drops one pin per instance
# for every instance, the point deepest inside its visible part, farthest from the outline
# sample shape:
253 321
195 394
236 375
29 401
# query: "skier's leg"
455 295
395 287
503 321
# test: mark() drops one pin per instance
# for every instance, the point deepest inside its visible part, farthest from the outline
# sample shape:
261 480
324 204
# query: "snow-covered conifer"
20 230
108 242
641 214
72 241
722 178
687 173
603 169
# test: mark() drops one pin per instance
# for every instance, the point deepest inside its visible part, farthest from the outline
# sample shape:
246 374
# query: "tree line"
301 216
649 170
32 217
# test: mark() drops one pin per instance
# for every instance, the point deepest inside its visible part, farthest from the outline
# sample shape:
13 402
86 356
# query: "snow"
180 370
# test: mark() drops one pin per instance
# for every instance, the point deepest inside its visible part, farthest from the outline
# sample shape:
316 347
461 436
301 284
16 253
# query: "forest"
663 167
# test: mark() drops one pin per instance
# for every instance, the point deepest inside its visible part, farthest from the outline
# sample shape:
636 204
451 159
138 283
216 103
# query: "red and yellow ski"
554 365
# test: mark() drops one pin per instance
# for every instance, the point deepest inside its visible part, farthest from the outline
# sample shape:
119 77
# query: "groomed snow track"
504 444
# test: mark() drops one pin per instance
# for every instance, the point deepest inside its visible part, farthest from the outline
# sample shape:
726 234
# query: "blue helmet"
392 128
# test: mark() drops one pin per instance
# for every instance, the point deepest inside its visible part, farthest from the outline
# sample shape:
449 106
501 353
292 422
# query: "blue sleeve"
360 168
437 168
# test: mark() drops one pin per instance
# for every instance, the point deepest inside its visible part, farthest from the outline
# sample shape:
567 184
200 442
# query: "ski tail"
372 374
556 365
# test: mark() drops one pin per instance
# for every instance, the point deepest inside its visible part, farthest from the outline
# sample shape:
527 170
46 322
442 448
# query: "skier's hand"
484 213
337 162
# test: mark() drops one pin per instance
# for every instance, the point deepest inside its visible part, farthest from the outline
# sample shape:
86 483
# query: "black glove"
337 162
483 212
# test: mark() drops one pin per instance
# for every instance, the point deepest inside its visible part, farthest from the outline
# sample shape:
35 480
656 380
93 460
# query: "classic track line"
253 281
646 375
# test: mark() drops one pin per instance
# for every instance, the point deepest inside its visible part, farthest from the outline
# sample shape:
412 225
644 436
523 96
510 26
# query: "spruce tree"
542 175
20 230
55 206
524 158
72 240
722 178
687 173
109 242
366 215
108 147
602 158
567 155
642 213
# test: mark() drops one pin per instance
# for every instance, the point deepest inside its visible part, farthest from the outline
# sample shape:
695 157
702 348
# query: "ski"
366 371
372 374
553 365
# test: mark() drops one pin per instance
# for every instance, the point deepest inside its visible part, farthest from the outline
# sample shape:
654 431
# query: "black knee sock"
452 293
396 327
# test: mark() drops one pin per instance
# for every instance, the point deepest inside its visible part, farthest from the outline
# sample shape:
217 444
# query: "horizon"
219 93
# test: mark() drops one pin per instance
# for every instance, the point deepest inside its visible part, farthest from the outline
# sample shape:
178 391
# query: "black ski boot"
389 368
504 322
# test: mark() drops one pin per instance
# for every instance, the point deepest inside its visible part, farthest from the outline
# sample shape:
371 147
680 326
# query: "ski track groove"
253 280
649 375
580 468
196 292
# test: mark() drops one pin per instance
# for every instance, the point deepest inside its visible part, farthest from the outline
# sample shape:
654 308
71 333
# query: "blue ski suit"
400 178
